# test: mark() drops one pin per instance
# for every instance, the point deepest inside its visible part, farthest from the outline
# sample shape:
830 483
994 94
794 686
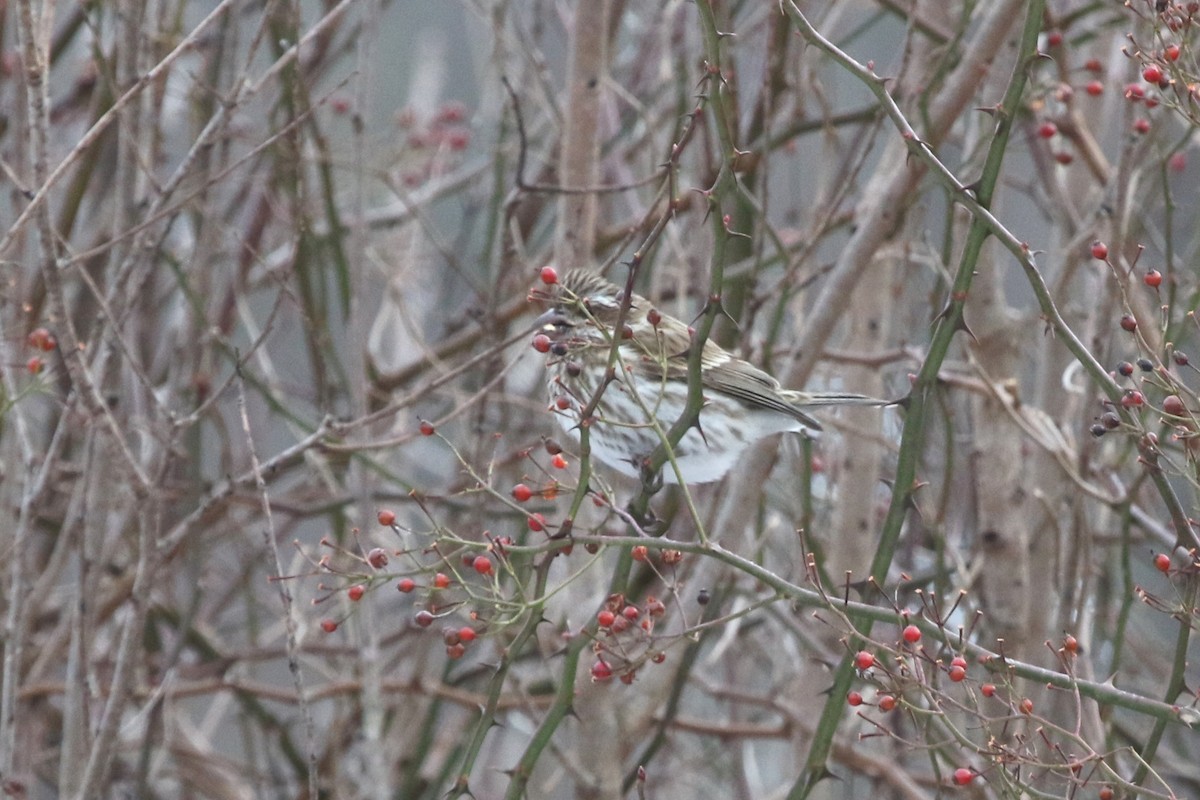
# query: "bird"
648 390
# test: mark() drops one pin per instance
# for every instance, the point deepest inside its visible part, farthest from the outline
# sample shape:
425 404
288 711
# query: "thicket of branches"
285 512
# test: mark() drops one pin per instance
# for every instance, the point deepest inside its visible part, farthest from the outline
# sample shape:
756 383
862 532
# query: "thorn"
962 326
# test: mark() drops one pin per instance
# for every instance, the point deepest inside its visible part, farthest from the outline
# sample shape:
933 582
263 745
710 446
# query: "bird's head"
584 308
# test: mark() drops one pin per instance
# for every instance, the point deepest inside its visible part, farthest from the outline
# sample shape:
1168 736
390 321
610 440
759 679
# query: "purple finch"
742 404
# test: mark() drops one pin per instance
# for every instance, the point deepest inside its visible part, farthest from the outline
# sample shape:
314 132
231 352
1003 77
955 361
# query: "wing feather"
719 371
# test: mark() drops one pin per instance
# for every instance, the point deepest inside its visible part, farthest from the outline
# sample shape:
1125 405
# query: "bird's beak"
553 319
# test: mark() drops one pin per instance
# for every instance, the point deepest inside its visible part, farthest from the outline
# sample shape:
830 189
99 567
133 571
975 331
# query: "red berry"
1099 250
1152 74
450 112
1172 52
601 671
854 698
640 553
887 702
356 592
1026 706
1106 793
963 776
42 339
1063 157
328 625
482 565
1129 322
1094 88
1133 399
1162 563
1093 65
456 139
1173 405
631 613
427 428
1054 38
387 518
558 462
542 343
653 317
1070 644
1141 125
1134 93
455 651
912 634
549 276
606 618
467 634
35 365
957 673
958 661
1177 162
1047 130
863 660
406 585
1153 279
441 580
377 557
424 619
521 493
988 689
537 522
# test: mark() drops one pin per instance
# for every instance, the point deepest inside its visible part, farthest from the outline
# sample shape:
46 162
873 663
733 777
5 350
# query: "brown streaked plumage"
742 404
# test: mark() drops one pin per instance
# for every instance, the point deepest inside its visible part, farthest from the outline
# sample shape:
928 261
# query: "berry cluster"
448 589
1149 378
431 143
625 638
1166 70
41 341
904 676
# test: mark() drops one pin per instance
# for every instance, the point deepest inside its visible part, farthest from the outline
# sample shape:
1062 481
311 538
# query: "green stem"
949 323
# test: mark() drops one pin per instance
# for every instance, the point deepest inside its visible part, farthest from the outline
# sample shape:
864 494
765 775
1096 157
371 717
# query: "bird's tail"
819 399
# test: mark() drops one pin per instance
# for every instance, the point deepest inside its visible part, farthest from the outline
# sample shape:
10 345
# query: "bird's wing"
720 372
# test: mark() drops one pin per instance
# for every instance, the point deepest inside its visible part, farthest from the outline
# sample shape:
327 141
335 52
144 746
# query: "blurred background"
269 398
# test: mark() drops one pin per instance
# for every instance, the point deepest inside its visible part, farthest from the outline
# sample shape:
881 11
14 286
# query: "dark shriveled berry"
1125 368
1098 430
1110 420
1145 365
